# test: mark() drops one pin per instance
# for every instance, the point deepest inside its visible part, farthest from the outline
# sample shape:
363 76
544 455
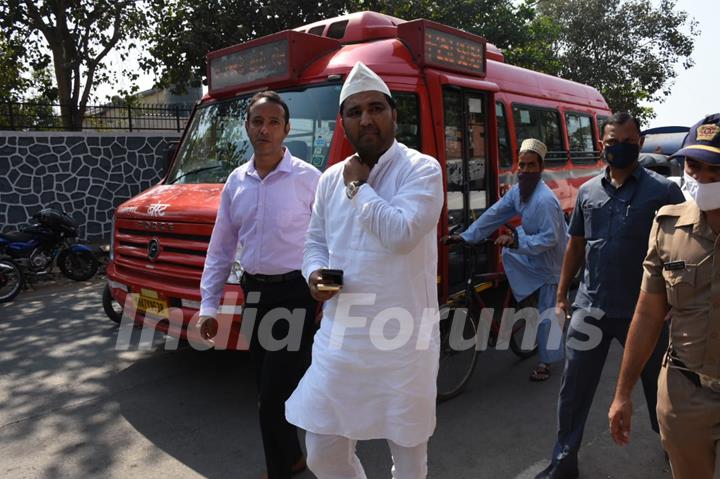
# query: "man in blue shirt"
532 260
610 227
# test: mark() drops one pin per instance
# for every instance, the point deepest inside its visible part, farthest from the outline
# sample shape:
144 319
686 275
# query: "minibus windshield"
216 141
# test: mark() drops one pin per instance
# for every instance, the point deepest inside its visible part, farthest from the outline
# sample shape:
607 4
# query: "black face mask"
527 183
621 155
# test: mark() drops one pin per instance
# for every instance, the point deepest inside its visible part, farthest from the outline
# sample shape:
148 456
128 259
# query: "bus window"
504 148
216 141
408 127
581 138
542 124
477 164
601 121
465 116
317 30
453 153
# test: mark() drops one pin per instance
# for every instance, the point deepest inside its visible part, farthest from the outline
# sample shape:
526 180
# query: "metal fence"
144 117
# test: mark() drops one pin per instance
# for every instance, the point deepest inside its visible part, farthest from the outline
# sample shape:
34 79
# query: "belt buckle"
710 383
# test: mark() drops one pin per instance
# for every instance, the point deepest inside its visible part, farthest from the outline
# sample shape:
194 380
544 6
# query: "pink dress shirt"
263 218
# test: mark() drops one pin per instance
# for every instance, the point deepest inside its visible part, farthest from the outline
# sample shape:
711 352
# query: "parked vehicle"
51 239
659 143
457 101
112 308
12 280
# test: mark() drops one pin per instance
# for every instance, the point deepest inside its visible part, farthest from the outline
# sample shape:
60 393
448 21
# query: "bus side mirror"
169 155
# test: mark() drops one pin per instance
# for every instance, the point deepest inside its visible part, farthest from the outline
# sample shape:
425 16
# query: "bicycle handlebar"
456 228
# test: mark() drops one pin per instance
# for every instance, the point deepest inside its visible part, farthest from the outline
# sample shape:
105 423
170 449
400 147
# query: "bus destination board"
454 52
251 65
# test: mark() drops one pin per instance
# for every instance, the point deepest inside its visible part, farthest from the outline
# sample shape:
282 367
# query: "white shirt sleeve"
411 214
220 255
315 254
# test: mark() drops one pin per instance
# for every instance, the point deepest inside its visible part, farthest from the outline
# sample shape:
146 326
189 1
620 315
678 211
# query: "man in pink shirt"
265 210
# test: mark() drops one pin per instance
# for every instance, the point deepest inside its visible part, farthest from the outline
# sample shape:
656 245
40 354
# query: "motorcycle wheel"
113 309
78 265
11 280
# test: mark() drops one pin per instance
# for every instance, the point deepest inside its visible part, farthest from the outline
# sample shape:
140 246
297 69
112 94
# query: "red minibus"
457 99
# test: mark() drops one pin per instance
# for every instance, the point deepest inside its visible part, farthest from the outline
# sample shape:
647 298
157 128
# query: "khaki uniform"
683 262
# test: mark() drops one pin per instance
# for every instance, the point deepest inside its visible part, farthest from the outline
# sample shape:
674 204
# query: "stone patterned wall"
88 174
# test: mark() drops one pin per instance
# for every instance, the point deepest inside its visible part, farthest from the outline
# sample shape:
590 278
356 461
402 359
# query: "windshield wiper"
197 170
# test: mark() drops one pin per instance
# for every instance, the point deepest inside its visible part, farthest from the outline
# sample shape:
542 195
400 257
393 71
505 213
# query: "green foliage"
75 36
628 50
182 32
20 83
12 80
525 37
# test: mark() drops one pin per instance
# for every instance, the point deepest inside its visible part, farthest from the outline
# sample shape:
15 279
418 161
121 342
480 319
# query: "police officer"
682 275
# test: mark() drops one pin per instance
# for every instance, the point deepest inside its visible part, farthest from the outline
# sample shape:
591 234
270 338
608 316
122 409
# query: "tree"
182 32
525 37
21 83
12 80
629 50
76 36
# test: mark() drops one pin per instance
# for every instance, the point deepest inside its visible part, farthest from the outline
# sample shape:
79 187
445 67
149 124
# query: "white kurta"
380 381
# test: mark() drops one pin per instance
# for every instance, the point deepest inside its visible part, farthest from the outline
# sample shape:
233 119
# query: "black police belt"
700 380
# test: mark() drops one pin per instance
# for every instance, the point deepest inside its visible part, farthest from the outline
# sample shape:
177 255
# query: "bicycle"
459 345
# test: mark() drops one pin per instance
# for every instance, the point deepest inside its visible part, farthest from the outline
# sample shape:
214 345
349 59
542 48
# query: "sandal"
540 373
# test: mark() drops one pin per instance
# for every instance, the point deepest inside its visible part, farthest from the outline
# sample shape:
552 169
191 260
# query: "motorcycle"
51 239
12 280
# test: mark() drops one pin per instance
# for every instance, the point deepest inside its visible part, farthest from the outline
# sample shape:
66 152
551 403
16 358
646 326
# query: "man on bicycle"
533 257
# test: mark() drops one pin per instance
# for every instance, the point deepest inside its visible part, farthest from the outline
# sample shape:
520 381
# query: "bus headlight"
111 253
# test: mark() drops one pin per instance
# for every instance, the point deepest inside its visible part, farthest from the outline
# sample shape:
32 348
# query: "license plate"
153 306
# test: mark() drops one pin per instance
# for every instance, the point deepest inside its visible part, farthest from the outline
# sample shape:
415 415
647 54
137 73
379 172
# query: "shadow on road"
71 405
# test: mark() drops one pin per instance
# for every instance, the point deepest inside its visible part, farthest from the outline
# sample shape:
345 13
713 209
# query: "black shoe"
558 471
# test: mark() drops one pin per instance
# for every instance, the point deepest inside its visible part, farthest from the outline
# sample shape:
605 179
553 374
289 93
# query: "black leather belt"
680 366
705 382
273 278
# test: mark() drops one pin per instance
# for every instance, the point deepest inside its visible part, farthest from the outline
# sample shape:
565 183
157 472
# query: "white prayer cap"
536 146
360 79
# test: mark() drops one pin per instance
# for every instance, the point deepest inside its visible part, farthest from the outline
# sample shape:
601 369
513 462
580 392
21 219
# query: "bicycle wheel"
457 351
11 280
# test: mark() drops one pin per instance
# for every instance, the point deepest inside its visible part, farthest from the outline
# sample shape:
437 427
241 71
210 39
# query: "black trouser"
279 371
582 375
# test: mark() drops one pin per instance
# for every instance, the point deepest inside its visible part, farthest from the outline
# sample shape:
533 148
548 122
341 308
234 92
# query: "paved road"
72 406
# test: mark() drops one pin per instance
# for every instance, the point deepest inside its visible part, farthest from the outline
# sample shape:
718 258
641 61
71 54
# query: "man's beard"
371 152
527 182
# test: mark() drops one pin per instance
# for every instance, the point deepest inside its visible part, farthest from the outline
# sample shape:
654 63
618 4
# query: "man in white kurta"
375 357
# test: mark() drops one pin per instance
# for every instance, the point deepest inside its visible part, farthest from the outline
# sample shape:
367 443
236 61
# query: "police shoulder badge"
707 132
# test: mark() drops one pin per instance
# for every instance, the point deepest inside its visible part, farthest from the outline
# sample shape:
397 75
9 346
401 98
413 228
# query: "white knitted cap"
537 146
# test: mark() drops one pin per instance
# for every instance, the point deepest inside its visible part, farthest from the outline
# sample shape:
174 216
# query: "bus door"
470 180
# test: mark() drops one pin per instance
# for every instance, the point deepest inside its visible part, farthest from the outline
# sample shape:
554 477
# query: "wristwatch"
353 187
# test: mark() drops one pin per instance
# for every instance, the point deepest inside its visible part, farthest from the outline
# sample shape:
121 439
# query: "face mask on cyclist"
527 182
